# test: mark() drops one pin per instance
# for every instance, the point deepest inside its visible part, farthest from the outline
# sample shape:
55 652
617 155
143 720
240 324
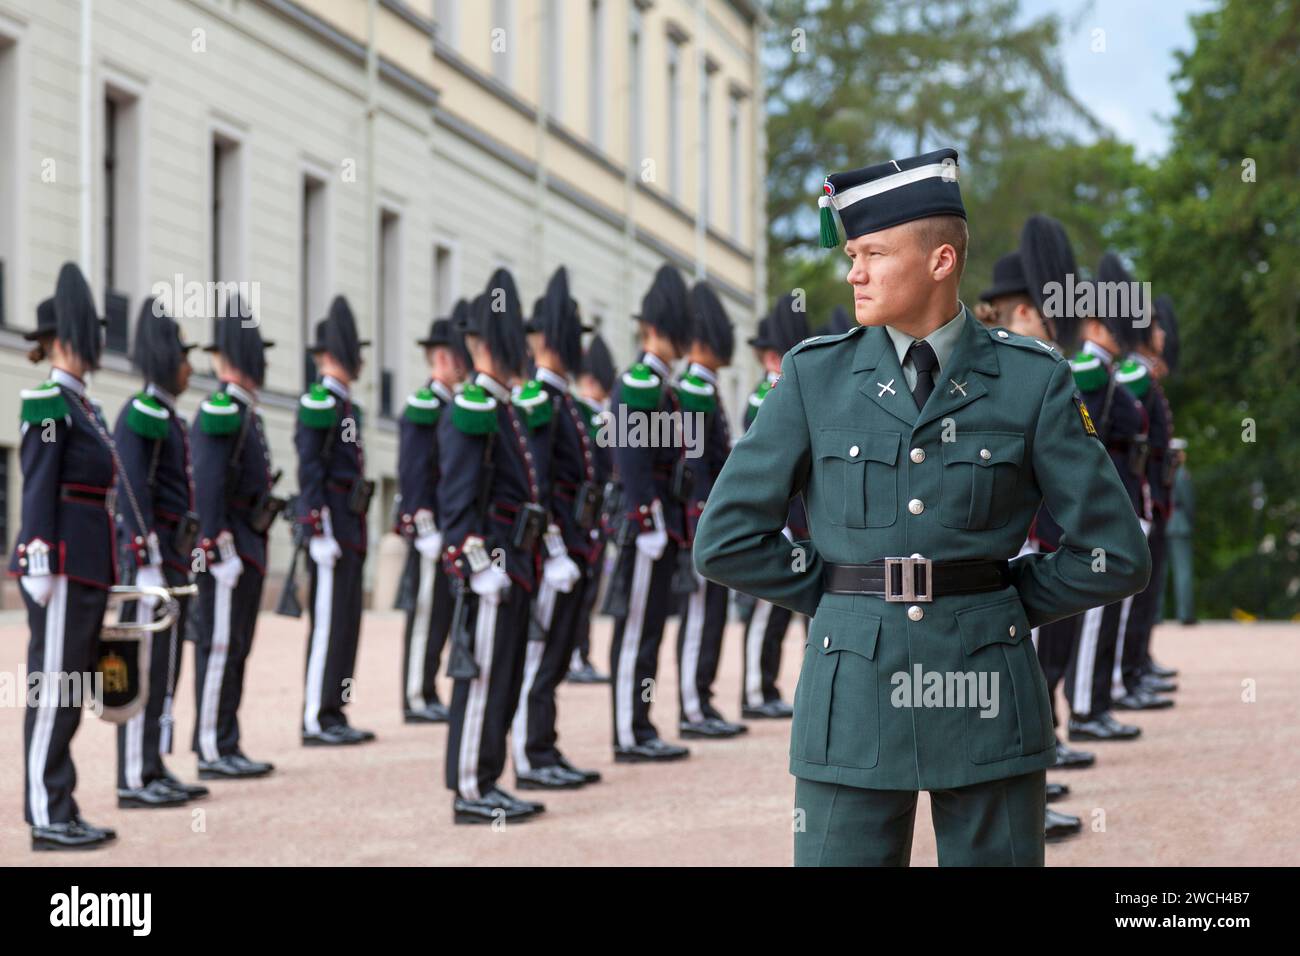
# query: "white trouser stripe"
1117 687
471 732
133 756
754 652
689 665
519 726
1086 660
215 672
47 702
626 679
420 636
320 640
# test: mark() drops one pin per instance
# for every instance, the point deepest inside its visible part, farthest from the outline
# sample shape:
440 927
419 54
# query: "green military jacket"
1004 430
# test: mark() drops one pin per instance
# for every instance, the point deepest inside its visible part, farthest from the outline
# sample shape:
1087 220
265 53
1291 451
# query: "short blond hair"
934 231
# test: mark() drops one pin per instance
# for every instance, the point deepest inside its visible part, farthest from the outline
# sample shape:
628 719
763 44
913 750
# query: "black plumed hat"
762 337
158 349
555 317
712 327
839 323
237 338
664 306
440 334
1047 259
1168 320
599 363
1008 278
47 322
1120 311
788 326
76 323
497 318
336 334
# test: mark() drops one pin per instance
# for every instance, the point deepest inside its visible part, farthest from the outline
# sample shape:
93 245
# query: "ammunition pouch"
682 484
587 505
530 523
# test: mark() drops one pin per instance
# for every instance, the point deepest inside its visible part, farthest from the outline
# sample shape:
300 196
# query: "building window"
446 15
734 192
313 264
502 40
674 117
554 27
227 239
444 279
9 175
389 309
121 209
596 81
636 104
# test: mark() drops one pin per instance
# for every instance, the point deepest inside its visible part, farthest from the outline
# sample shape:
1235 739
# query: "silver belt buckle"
908 576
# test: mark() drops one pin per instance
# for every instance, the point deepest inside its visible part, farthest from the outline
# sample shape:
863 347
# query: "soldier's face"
183 375
890 276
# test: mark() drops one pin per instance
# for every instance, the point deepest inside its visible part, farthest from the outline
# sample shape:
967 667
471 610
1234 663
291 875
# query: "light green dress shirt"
943 340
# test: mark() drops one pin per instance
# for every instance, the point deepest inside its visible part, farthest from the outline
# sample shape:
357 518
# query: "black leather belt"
916 579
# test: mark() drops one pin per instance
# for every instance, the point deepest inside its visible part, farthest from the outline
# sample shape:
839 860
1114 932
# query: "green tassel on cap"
317 408
830 229
218 415
696 395
534 403
44 403
474 411
640 388
147 417
423 407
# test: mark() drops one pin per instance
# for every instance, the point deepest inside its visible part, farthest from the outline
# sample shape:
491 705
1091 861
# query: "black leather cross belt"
916 579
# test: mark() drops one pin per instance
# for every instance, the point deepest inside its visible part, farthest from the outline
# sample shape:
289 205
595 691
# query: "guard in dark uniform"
64 556
333 498
233 485
649 578
493 520
154 447
595 385
571 547
704 610
419 465
781 330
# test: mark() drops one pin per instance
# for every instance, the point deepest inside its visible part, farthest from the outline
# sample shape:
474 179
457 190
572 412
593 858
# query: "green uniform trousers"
995 823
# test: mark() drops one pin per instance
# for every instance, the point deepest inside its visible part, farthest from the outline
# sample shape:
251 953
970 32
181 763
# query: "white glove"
38 587
150 576
489 584
324 550
652 544
227 572
561 573
429 544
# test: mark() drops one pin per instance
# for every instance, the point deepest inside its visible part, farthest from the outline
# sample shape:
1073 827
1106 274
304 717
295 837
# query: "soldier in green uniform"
923 444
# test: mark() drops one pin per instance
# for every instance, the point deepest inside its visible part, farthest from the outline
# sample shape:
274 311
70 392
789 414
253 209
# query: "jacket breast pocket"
978 484
1006 695
836 712
858 477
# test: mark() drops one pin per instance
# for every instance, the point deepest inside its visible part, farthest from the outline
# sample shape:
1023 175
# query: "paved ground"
1213 781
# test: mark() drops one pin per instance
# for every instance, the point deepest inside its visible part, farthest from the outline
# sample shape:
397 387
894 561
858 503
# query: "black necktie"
924 361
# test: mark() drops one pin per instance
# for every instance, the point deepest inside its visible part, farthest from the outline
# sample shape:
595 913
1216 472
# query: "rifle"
460 660
289 605
619 590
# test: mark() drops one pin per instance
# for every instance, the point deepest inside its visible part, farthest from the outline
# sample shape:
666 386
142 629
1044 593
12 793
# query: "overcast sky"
1127 87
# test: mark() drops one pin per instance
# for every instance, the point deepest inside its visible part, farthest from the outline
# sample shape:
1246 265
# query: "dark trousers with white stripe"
764 634
427 625
634 651
63 643
1055 644
582 630
1088 677
699 646
481 708
143 739
226 619
336 596
1135 638
533 733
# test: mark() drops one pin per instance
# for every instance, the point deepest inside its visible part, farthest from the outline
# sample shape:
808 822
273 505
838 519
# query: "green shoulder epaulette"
423 407
218 415
317 408
1026 342
148 417
817 341
591 415
474 411
43 403
640 388
696 395
756 400
1089 373
533 402
1134 376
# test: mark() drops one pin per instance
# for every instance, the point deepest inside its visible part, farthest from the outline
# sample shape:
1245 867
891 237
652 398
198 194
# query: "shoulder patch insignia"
1026 342
1088 427
474 411
43 403
317 407
148 417
423 407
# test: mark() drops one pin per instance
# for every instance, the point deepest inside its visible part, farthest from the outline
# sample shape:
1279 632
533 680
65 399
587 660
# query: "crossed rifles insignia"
886 387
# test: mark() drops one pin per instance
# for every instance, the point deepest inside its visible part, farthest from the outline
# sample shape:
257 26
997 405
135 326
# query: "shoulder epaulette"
817 341
218 415
43 403
148 417
533 402
696 395
1089 373
1026 342
474 411
1134 376
423 407
640 388
317 407
590 414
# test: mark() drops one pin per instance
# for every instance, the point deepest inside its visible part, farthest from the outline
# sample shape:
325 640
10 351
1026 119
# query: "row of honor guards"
1119 357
